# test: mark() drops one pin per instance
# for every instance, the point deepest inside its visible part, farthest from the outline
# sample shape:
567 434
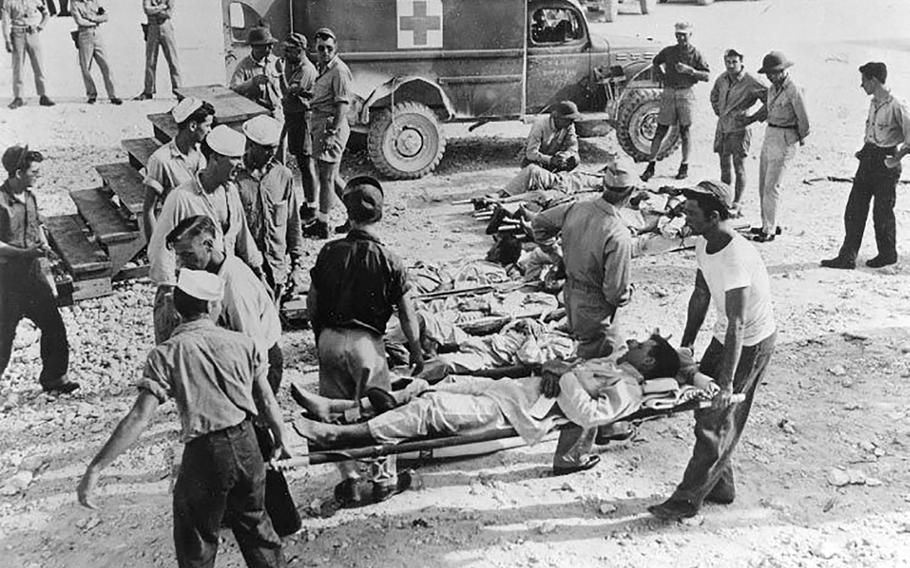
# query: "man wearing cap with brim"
552 142
159 33
179 160
356 285
732 275
89 15
679 67
788 127
211 192
887 127
258 76
217 378
332 97
297 87
266 190
22 22
24 291
595 245
735 91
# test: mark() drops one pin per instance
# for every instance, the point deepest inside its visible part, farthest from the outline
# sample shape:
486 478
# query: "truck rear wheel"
636 123
406 142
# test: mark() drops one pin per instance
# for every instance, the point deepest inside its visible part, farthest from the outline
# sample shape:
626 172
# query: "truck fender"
636 72
408 88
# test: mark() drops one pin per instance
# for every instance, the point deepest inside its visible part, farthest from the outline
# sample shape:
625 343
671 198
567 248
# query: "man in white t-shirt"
732 275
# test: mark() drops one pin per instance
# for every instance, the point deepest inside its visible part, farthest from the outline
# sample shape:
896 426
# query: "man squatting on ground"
680 67
266 189
159 33
88 15
788 125
735 91
330 130
24 290
218 379
178 161
732 275
357 283
22 22
595 246
208 193
887 126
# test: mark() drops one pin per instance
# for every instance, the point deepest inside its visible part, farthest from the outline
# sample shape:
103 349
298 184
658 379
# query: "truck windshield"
555 26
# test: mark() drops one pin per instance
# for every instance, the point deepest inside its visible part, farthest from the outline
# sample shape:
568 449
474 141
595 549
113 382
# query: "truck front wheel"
406 142
636 122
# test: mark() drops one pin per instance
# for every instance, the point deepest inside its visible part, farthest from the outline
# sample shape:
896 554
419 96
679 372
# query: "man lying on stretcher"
588 394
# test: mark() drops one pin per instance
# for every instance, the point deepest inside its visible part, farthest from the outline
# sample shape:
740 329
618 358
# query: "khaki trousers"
91 48
27 43
161 35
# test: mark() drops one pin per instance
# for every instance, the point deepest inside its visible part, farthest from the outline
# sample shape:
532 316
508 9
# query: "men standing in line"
211 193
22 22
597 253
679 66
732 275
159 33
218 379
88 16
266 190
357 283
788 124
246 306
330 129
258 75
297 86
887 127
24 290
552 142
733 94
178 161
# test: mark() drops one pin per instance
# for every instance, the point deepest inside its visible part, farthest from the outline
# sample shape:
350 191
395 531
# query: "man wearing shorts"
330 129
679 66
733 94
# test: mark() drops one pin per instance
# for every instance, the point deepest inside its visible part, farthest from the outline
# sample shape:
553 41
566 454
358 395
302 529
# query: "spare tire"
406 142
636 122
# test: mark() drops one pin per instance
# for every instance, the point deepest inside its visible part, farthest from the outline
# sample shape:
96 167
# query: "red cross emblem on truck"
419 24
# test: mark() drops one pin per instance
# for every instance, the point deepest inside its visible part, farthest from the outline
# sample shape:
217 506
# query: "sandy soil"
822 470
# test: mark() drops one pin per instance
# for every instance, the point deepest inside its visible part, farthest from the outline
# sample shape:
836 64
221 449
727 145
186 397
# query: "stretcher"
467 445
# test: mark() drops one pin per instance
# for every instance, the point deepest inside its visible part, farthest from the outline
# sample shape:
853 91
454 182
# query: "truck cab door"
558 54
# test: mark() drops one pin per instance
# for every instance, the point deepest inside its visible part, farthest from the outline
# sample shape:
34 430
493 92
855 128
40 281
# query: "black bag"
278 501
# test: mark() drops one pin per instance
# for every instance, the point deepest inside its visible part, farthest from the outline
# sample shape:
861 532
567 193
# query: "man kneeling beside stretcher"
588 394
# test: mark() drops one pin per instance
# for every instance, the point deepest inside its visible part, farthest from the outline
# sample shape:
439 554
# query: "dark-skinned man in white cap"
211 193
266 189
732 276
218 379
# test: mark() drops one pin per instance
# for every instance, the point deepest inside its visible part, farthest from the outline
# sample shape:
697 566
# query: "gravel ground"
822 468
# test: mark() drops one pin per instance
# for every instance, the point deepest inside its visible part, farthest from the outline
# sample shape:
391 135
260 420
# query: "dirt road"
822 470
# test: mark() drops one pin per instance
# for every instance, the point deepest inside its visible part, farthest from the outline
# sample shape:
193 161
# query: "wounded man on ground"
587 393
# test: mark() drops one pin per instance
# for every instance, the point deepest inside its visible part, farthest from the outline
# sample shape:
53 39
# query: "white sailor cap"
185 108
226 141
200 284
263 130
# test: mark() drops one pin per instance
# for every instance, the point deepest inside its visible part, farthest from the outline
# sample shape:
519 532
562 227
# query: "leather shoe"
63 387
648 173
46 101
116 101
673 510
590 461
91 100
722 496
16 103
342 229
838 262
683 172
316 230
617 431
143 96
880 261
381 400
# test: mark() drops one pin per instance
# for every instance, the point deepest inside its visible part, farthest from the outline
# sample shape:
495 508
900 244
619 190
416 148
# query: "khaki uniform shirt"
209 372
545 141
332 86
269 94
786 108
22 14
888 123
